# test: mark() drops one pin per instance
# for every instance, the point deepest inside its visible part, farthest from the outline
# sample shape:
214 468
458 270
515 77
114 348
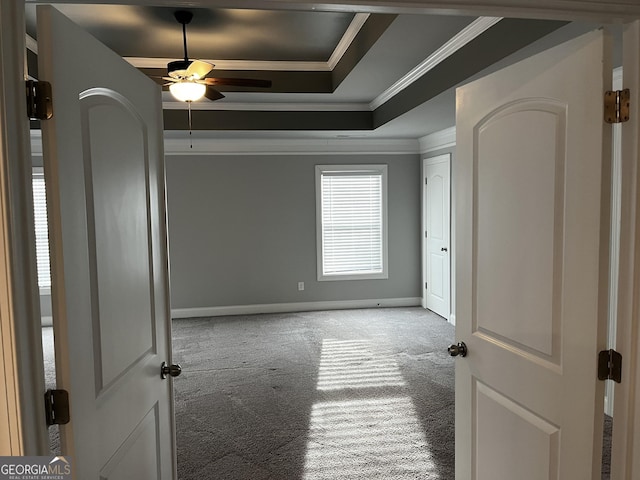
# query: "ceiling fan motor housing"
178 68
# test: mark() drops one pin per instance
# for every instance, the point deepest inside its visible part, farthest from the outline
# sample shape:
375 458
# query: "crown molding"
435 141
176 144
292 146
258 65
268 106
455 43
356 24
32 44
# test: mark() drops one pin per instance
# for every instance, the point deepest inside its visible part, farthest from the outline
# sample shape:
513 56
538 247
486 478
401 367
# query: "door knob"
459 349
443 249
173 370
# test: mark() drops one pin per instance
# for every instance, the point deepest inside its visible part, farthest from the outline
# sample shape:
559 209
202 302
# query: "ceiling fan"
188 78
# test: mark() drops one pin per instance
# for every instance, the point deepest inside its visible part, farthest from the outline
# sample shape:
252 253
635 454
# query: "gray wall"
242 230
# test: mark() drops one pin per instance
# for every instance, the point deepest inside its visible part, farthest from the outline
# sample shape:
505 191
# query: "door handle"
459 349
443 249
173 370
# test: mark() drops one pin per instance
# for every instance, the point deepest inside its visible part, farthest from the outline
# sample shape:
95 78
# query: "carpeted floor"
340 395
336 395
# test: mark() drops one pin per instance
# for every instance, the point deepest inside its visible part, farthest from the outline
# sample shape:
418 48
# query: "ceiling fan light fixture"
187 91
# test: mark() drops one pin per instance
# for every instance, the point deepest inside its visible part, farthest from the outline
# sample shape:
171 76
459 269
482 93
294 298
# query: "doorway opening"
44 275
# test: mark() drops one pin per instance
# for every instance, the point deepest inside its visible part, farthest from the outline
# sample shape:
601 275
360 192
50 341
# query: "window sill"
363 276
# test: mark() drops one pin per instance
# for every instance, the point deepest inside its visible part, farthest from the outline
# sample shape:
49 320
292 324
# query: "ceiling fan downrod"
184 17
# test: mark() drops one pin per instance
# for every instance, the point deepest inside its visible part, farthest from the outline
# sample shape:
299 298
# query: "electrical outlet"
300 286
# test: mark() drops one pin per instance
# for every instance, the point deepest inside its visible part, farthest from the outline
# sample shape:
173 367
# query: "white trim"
32 44
174 145
452 319
345 42
625 456
442 158
36 142
172 104
451 46
617 78
47 321
22 425
293 307
378 169
614 242
258 65
435 141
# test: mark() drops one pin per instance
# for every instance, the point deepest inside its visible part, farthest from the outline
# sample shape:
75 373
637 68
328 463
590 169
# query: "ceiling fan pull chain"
190 137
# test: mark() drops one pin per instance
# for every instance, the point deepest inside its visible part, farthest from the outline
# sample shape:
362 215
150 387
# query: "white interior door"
437 234
103 155
531 181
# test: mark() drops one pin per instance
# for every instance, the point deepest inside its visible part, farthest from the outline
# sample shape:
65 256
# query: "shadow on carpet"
334 395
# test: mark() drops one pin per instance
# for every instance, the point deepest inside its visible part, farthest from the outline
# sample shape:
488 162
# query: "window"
351 221
42 230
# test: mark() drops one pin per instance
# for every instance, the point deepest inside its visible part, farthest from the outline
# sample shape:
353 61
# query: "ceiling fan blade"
239 82
198 69
169 79
212 94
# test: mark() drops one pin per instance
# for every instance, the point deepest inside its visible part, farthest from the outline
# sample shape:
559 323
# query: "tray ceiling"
331 71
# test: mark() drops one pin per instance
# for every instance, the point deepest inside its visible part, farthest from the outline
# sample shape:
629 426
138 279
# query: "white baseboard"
452 319
293 307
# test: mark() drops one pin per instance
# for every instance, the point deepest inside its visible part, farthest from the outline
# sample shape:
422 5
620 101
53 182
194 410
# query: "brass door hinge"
610 366
56 406
616 106
39 100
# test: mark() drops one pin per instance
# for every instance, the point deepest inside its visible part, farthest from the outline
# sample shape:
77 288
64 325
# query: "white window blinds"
42 231
352 222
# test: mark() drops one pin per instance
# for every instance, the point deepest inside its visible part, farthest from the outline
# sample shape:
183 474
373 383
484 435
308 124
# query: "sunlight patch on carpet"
353 364
373 437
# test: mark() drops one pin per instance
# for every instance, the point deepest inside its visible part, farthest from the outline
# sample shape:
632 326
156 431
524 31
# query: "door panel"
437 226
532 201
104 171
533 441
519 190
126 463
120 230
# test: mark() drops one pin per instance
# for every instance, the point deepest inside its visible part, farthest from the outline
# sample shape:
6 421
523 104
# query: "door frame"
22 418
625 455
21 362
426 161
